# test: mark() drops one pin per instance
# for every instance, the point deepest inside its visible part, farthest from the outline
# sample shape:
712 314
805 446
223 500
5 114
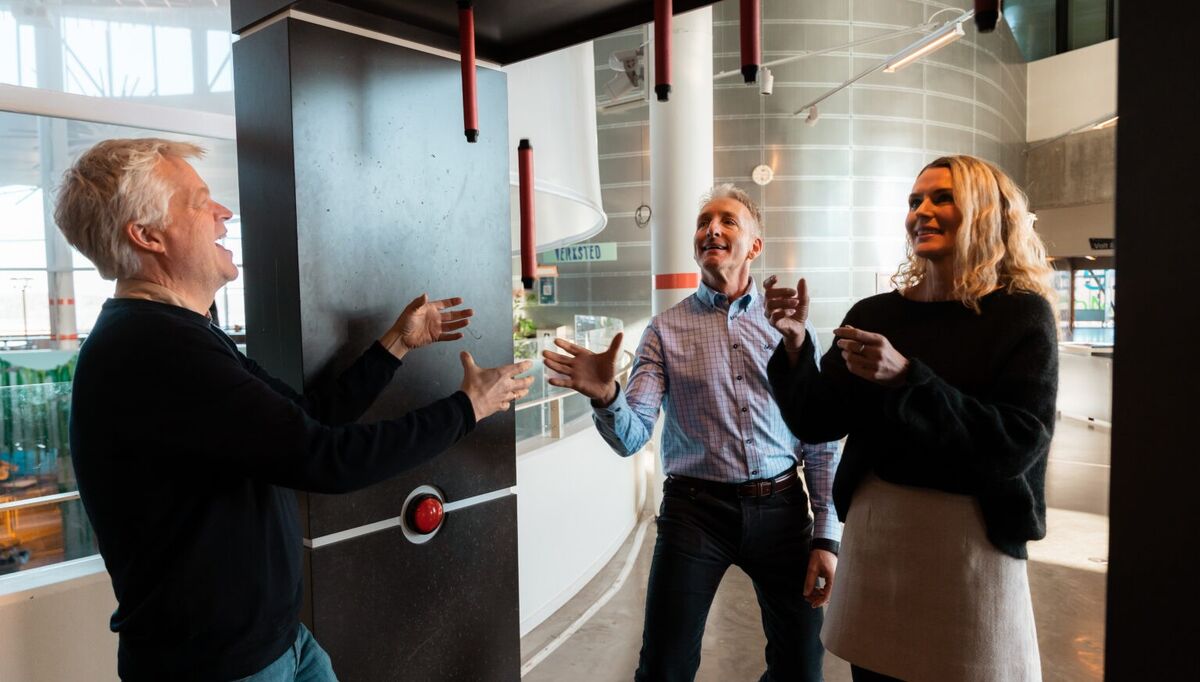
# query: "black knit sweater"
974 416
185 451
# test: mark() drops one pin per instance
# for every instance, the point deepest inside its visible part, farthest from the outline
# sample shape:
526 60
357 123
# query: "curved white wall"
59 632
576 504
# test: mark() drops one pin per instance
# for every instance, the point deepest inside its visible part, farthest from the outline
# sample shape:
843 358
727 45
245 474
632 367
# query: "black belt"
763 487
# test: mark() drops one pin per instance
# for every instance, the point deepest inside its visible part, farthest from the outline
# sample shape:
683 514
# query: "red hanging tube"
662 49
466 46
751 40
525 189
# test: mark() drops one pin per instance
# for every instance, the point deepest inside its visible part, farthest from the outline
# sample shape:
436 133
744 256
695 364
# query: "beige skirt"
921 595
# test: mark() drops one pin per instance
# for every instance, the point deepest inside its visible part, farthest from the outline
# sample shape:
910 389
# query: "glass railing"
545 411
41 518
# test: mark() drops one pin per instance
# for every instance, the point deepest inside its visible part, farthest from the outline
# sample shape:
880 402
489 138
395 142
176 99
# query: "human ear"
145 237
755 249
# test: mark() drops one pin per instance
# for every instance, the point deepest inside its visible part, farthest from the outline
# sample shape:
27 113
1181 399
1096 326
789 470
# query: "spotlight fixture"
812 117
630 72
766 81
948 33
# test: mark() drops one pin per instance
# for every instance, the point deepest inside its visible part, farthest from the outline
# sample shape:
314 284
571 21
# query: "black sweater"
185 451
974 416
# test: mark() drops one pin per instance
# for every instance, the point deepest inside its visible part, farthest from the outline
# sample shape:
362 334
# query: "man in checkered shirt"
733 494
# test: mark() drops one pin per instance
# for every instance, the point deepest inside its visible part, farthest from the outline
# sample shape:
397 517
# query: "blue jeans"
305 661
700 535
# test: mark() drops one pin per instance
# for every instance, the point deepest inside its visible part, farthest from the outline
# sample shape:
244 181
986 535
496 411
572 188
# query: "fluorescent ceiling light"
1106 123
944 35
935 41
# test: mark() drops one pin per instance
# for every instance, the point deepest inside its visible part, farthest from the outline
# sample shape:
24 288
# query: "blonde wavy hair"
996 245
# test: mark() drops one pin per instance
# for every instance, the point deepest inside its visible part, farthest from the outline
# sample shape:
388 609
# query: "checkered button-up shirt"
705 364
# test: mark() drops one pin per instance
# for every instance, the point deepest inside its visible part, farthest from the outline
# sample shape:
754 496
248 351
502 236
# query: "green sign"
580 253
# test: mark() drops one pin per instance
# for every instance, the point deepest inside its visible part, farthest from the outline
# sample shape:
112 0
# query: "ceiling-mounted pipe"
525 190
751 39
987 13
466 44
662 49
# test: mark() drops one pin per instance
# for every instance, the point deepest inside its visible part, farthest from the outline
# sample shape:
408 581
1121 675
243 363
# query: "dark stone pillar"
1153 595
359 192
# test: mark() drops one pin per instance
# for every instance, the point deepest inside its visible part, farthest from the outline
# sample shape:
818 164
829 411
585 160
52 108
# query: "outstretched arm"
421 323
624 418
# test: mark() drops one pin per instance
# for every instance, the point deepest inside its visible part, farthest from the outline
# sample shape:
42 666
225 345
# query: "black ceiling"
505 30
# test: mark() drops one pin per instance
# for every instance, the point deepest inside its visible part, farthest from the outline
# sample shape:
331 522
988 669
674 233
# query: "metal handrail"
623 372
58 498
39 501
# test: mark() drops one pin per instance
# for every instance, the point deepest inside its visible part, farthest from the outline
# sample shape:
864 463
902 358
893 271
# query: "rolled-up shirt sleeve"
628 422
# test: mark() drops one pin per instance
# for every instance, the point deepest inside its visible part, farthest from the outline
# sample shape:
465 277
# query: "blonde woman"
946 390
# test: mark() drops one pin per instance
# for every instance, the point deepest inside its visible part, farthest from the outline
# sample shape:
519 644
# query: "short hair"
728 190
111 185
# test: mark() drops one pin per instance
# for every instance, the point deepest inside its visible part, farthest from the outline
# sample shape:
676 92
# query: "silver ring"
861 347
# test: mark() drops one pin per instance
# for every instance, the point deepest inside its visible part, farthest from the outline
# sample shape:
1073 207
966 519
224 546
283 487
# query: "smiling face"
195 225
933 217
726 242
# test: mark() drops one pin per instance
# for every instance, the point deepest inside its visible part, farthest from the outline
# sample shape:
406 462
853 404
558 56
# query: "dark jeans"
700 534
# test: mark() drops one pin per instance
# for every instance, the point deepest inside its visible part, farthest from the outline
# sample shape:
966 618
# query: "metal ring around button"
411 534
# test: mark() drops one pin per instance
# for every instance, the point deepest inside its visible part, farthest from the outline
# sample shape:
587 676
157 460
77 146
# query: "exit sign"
1101 243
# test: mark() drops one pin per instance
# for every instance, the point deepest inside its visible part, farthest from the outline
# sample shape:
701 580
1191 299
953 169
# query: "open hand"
592 374
423 322
493 389
871 356
787 309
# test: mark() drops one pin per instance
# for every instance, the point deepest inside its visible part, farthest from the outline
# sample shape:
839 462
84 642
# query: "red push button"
425 514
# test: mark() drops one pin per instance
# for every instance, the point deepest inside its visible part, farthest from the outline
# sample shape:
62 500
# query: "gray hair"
113 184
728 190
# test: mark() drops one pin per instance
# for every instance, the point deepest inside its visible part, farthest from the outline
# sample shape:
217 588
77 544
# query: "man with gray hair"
733 494
187 452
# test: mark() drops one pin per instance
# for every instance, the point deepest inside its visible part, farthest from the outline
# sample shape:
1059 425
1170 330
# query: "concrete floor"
1066 574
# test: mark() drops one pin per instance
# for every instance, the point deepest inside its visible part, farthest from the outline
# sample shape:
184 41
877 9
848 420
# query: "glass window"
28 55
85 56
1088 23
1062 286
128 50
133 60
173 61
10 50
220 61
178 58
24 313
1094 311
90 293
41 519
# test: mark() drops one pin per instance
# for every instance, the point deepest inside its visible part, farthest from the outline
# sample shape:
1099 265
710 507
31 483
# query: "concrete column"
681 170
52 138
681 157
